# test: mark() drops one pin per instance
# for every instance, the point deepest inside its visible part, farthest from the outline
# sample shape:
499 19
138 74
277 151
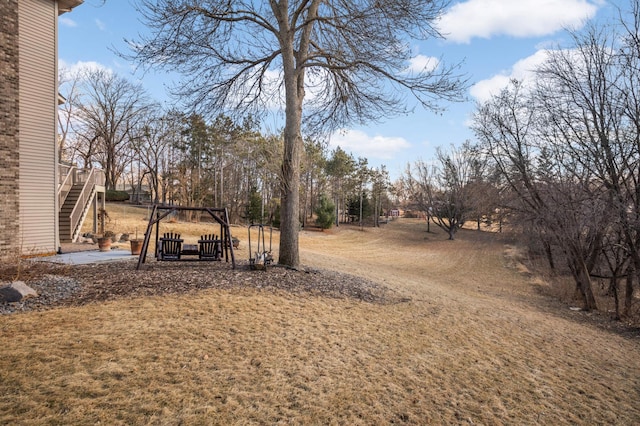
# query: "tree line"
558 158
183 159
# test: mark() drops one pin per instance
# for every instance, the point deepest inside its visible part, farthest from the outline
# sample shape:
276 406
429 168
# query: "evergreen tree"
254 207
353 205
325 213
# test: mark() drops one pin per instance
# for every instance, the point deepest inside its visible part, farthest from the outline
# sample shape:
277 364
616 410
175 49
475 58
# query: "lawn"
468 339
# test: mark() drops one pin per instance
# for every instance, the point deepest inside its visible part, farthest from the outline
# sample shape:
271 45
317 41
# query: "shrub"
410 214
325 213
111 195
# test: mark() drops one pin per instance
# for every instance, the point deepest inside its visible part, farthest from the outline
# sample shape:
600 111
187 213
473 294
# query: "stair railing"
67 179
91 178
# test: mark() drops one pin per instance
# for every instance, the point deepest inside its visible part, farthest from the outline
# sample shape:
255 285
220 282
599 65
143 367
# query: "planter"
136 246
104 243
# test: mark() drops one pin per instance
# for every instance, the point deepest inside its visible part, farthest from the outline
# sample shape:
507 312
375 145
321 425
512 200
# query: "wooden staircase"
67 232
77 191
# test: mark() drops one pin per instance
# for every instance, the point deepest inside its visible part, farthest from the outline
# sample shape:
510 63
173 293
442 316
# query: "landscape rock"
15 292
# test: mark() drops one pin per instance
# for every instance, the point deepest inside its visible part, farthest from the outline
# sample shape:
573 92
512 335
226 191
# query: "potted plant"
136 244
104 241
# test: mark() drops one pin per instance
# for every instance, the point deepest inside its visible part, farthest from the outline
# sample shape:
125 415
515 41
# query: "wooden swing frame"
159 212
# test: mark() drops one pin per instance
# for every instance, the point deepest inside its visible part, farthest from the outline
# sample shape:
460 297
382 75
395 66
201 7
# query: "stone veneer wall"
9 137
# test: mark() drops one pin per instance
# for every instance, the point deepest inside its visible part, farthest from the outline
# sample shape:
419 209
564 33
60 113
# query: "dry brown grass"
477 343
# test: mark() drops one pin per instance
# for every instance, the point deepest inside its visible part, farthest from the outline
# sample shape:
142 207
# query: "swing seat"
210 247
170 247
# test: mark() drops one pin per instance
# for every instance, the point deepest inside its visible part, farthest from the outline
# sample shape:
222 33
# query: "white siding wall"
38 87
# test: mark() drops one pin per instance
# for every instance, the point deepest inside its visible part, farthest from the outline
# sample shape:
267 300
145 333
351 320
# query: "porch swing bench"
171 246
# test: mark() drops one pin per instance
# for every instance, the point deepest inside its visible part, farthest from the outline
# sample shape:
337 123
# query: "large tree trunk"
292 64
628 292
549 253
613 286
293 146
289 217
583 282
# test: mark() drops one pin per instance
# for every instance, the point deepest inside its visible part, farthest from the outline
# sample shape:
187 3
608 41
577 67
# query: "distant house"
29 173
137 195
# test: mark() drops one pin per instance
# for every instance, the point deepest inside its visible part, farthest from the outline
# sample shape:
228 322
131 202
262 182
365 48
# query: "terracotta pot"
136 246
104 244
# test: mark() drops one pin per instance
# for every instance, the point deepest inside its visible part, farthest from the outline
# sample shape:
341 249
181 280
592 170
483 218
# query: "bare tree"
195 149
150 142
556 199
108 108
411 188
68 84
443 189
350 57
592 100
448 193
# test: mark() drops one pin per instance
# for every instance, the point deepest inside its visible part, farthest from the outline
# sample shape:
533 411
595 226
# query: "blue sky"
495 39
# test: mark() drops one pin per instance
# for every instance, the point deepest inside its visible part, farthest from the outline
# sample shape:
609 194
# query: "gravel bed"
52 290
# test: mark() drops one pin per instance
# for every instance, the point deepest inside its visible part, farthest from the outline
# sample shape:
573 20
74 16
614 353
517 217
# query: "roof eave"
68 5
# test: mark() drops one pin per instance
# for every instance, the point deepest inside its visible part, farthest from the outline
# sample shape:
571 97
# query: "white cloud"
517 18
101 25
67 22
362 145
80 67
421 63
522 70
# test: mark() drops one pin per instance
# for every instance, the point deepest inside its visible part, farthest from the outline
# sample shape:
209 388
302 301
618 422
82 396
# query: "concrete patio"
88 256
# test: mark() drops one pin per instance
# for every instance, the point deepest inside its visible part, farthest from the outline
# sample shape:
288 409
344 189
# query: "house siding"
37 126
9 130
